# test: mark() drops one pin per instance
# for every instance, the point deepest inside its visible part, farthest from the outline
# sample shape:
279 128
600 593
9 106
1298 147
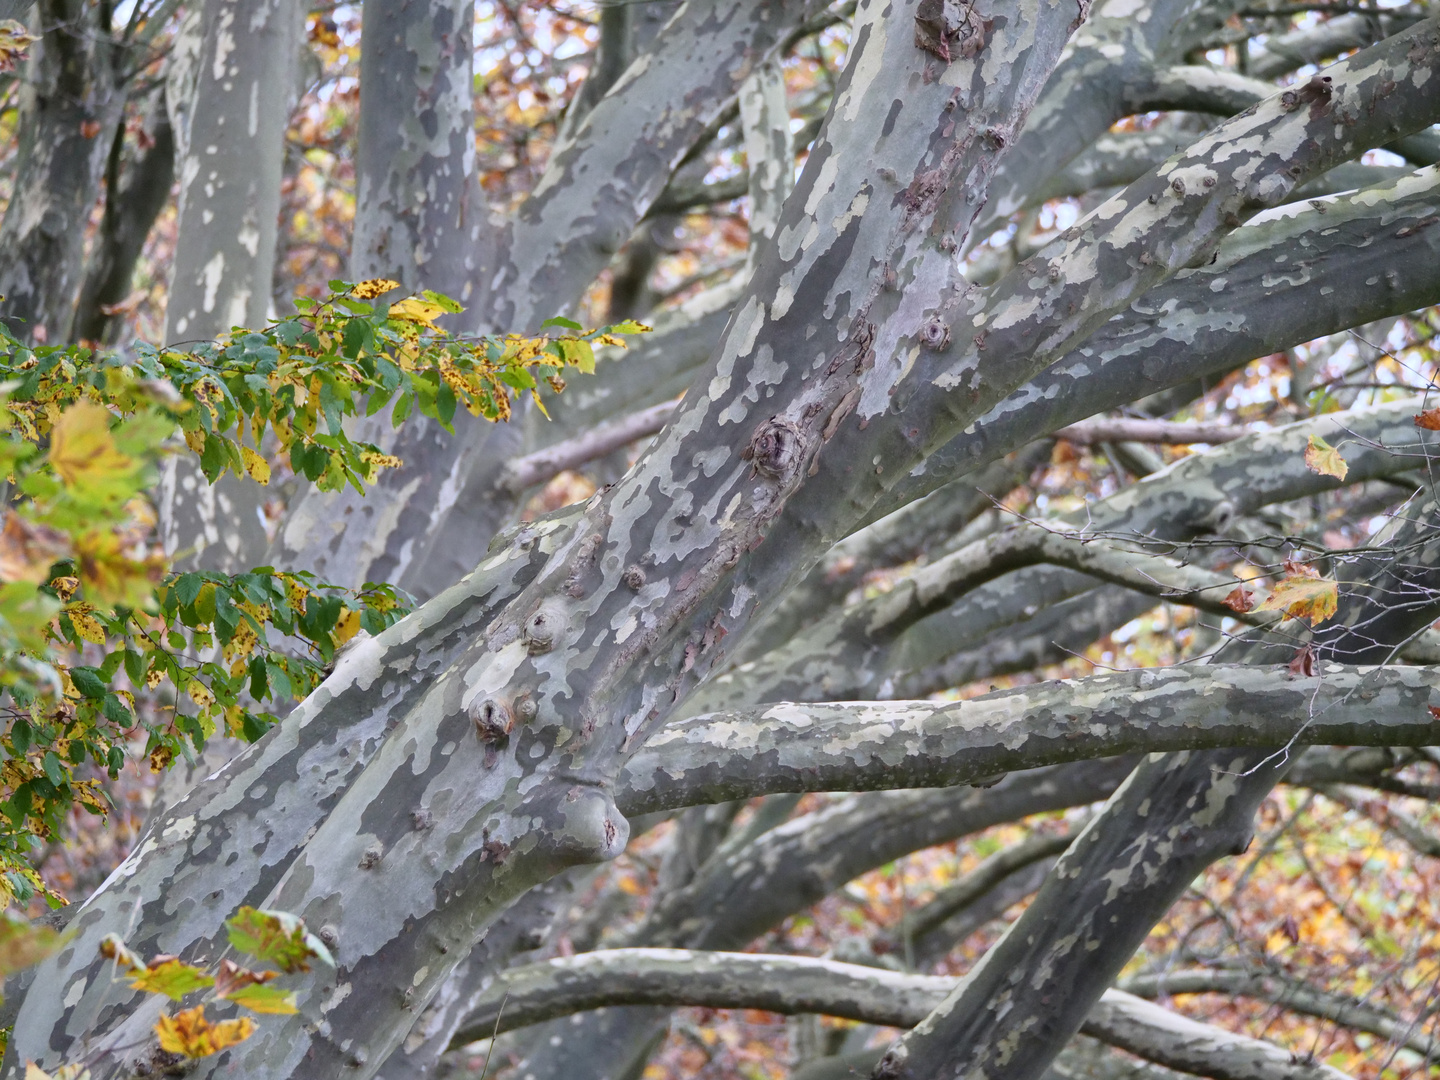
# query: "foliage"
268 936
81 580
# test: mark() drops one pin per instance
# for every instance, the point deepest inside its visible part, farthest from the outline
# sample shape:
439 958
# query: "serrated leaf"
630 326
86 625
1322 458
83 453
255 465
191 1034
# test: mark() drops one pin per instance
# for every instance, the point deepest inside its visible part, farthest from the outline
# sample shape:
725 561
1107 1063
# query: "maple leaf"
1429 420
1239 599
1322 458
192 1035
84 454
1303 595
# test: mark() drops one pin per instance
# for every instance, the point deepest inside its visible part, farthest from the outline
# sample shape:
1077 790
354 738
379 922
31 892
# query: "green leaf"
277 937
560 320
89 683
171 977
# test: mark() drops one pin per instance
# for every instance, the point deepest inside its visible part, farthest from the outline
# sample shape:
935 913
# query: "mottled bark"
858 652
135 193
417 216
856 746
231 141
70 103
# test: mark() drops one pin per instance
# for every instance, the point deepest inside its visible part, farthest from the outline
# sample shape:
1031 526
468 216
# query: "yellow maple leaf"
417 311
84 454
1322 458
1303 595
190 1033
370 289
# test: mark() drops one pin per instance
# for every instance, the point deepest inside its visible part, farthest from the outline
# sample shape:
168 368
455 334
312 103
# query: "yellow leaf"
346 626
200 694
1303 596
86 625
83 453
1322 458
189 1033
369 290
417 311
255 465
195 440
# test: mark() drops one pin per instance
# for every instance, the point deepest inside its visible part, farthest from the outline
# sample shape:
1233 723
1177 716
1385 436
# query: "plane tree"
861 396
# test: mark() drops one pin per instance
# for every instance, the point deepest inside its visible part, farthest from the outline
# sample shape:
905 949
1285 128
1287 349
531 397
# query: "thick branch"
1128 429
794 984
536 468
866 745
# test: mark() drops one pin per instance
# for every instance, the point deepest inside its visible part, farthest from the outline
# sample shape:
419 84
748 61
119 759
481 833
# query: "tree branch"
793 985
856 746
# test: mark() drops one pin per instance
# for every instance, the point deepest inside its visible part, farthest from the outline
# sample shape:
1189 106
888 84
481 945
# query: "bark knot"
492 721
776 449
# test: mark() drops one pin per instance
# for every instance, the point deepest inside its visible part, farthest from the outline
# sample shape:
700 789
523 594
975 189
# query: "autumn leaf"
265 999
170 976
347 626
1303 662
1239 599
1429 420
192 1035
255 465
84 454
14 39
86 625
369 290
1303 595
1322 458
417 311
23 944
113 948
232 977
276 937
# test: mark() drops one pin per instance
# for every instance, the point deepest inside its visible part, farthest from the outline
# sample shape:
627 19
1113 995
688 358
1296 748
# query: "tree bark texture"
70 103
581 672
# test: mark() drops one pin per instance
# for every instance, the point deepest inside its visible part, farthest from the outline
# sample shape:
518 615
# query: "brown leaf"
1304 662
1435 712
1239 599
1429 420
